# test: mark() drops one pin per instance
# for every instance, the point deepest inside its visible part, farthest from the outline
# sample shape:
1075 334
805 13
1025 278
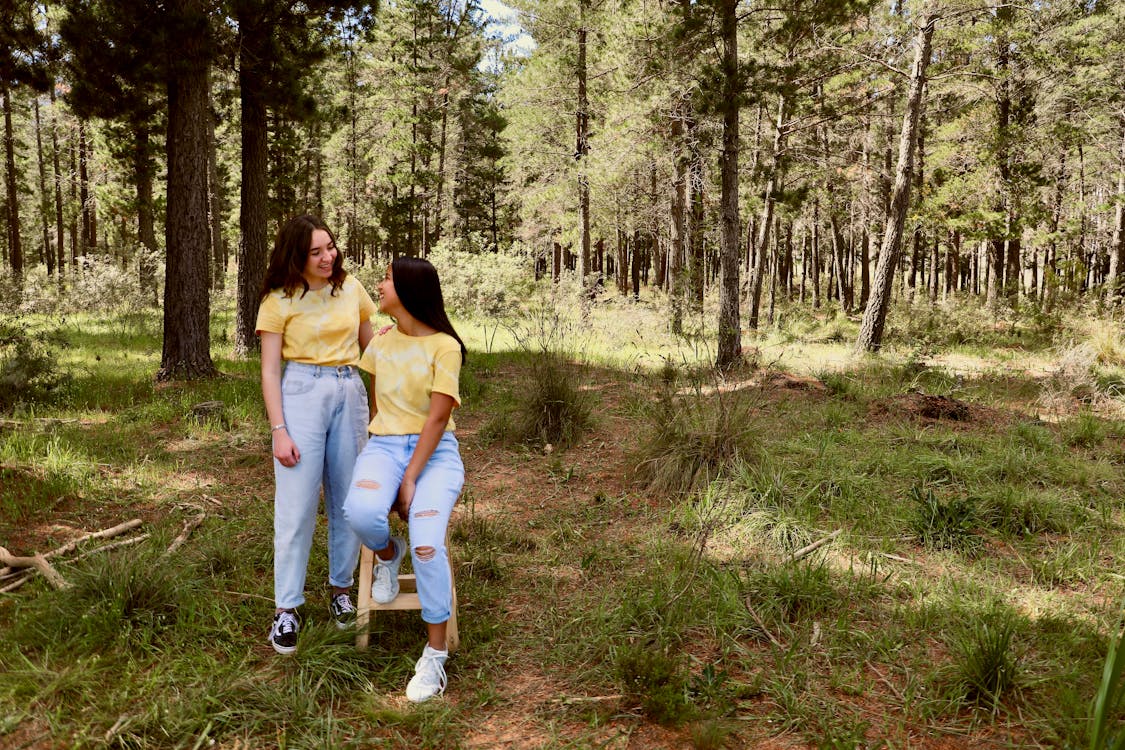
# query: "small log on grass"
806 551
38 562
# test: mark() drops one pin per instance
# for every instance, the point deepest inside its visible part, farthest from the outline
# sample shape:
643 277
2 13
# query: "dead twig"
188 528
806 551
762 625
572 699
26 576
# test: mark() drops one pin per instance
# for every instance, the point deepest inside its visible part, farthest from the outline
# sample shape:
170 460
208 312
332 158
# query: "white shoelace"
432 671
286 623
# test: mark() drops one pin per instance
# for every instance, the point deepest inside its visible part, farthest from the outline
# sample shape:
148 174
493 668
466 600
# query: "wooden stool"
407 599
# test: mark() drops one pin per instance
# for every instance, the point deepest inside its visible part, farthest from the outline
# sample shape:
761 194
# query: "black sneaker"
283 634
343 611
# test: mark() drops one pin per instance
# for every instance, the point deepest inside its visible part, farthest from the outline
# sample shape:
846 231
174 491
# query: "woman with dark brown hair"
317 319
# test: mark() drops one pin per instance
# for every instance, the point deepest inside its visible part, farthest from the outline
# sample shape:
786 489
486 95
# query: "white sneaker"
429 676
384 584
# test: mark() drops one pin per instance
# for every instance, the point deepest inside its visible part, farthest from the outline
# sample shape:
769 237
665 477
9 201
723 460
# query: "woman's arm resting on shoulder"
284 449
441 406
366 333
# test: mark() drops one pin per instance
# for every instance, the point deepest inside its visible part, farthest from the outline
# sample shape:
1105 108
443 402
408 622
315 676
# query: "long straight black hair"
419 291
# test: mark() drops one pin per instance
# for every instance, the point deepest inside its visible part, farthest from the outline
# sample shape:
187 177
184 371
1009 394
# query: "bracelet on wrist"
277 427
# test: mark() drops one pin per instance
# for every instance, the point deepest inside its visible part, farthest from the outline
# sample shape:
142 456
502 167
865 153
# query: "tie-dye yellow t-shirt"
319 328
408 370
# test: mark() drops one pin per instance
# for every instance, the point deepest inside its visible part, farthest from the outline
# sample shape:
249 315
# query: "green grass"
639 577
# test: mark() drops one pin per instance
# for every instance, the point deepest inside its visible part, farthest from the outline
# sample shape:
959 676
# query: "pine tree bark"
765 220
1116 280
253 219
875 315
216 204
15 250
143 173
186 353
582 150
676 286
60 245
730 343
48 255
89 229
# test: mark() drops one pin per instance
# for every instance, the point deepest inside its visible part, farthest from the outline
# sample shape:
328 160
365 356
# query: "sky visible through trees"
830 155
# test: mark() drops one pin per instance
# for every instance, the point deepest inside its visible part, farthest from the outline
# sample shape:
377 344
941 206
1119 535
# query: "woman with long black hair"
412 462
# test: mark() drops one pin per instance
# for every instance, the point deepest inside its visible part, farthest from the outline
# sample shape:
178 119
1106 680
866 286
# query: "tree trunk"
88 226
253 242
582 150
765 220
15 250
186 352
48 255
730 344
146 230
60 245
676 279
1116 280
215 202
875 315
695 224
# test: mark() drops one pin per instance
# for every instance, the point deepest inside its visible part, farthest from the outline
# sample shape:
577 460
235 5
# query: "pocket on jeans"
295 386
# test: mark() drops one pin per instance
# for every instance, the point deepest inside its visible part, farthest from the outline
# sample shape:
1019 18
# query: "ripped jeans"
374 489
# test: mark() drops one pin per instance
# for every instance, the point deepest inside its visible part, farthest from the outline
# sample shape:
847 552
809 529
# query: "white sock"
431 651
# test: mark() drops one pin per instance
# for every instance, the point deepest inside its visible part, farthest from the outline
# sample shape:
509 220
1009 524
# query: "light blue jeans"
326 415
378 473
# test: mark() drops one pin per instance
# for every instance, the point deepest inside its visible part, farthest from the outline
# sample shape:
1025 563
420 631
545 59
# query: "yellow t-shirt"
318 328
408 370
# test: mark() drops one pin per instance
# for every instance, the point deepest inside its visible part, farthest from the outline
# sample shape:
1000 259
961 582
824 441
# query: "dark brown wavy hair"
291 252
419 291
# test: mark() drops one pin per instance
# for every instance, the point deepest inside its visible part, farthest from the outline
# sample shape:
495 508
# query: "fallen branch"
26 576
188 528
120 528
896 558
570 700
39 562
806 551
113 545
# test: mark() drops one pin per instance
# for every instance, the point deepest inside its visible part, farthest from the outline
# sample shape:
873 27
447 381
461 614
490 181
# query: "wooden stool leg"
363 605
452 639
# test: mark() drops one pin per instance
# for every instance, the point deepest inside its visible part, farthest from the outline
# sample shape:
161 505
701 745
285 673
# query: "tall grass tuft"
986 665
943 524
695 435
553 409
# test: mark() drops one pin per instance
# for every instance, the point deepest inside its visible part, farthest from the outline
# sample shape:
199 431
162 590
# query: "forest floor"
638 588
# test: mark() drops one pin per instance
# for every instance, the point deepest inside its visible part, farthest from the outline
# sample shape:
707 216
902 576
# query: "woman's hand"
405 498
284 449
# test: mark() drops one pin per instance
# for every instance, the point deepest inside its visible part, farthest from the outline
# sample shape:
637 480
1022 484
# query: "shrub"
479 282
653 677
29 369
